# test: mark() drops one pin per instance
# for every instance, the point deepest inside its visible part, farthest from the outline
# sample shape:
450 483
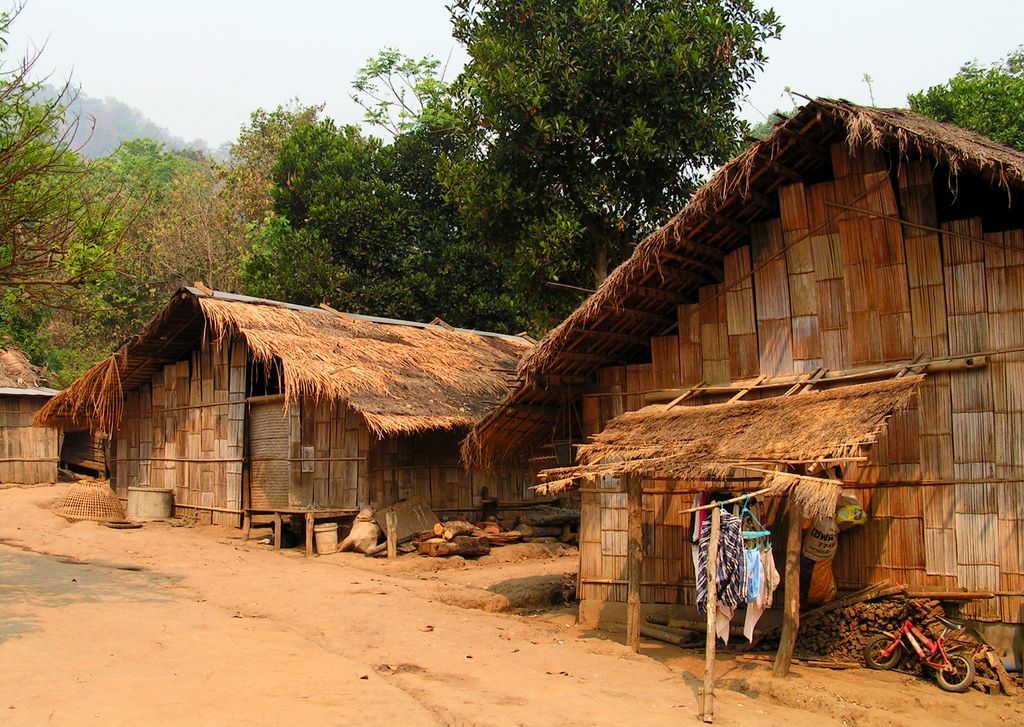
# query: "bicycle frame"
932 653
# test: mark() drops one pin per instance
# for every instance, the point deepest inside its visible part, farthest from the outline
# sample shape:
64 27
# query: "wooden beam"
791 609
817 151
623 337
635 555
780 168
647 315
658 293
591 358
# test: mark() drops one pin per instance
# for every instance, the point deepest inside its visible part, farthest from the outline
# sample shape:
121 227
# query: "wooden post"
391 521
707 708
634 558
246 526
310 522
791 610
277 531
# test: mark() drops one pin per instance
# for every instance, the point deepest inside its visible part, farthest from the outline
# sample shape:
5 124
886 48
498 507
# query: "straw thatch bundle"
16 371
702 443
403 378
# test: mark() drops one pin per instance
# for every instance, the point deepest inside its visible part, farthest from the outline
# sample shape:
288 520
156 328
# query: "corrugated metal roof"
37 391
220 295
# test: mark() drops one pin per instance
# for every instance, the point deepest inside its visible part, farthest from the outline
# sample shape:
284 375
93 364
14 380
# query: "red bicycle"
954 672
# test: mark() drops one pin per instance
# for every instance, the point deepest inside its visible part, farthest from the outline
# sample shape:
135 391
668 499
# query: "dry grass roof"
702 443
638 299
18 376
403 377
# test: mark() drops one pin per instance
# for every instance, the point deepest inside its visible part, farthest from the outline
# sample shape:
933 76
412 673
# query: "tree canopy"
588 123
987 99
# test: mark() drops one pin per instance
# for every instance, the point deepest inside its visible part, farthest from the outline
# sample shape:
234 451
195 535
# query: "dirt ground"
166 625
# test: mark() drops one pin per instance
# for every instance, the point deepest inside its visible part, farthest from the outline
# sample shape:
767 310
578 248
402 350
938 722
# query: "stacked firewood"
458 537
550 524
842 634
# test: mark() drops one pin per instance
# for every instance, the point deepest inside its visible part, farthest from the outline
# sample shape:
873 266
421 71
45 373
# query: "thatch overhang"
402 377
707 444
639 298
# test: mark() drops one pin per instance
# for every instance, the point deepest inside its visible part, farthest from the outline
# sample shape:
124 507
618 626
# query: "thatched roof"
638 299
403 377
703 443
18 376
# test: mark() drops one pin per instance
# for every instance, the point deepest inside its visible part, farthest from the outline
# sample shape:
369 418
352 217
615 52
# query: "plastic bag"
820 540
849 512
823 583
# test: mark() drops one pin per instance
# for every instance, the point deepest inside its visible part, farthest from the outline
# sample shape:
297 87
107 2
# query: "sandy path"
214 631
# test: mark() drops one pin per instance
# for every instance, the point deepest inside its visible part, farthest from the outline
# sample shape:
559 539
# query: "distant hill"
107 122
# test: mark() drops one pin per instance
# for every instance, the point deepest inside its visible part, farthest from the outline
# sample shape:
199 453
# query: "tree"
588 123
55 235
254 153
364 225
989 100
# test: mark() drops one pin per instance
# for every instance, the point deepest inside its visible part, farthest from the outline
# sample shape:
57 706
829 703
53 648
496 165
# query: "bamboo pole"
634 527
707 710
791 610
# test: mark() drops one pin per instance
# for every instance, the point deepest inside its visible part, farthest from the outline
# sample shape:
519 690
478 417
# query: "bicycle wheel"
960 678
874 653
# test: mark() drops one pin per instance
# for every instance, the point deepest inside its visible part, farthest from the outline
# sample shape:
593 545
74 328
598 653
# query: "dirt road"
183 626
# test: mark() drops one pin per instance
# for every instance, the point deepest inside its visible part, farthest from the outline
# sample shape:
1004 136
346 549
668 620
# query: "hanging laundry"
769 581
730 575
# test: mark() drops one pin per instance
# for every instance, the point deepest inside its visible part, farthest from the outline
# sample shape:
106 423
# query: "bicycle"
954 672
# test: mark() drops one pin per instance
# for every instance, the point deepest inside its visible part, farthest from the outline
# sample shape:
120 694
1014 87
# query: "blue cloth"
731 579
754 578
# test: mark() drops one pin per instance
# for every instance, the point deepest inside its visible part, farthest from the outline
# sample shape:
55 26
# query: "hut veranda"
28 454
839 310
246 406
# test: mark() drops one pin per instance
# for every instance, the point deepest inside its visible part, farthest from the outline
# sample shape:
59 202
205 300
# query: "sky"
200 67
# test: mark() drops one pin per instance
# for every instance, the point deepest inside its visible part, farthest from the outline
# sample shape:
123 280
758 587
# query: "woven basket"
89 500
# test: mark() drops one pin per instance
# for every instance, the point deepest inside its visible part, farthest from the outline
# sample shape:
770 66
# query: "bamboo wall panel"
184 430
691 365
269 450
772 303
28 454
714 333
741 320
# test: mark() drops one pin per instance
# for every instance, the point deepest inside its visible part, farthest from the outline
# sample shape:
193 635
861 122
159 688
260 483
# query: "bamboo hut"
28 454
839 307
246 407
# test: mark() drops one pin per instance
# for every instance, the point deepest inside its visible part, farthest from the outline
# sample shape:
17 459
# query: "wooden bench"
277 516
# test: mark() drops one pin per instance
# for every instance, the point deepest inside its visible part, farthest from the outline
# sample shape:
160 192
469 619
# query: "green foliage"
400 94
364 226
989 100
588 123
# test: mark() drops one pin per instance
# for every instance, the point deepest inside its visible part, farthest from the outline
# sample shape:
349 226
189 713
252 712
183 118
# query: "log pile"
550 524
460 537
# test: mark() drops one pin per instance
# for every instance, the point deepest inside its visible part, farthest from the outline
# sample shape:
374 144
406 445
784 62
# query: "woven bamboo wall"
185 430
28 455
428 466
840 289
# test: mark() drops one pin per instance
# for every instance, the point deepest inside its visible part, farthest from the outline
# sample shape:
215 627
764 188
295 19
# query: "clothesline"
729 501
